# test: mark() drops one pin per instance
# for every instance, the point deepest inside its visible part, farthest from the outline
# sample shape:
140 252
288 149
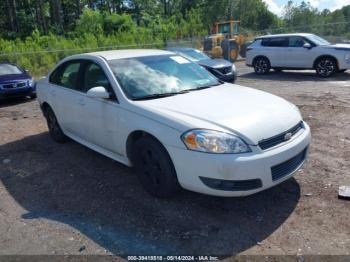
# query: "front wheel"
154 168
262 66
32 96
325 67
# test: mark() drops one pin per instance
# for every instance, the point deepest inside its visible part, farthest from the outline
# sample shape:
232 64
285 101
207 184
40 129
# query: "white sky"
276 6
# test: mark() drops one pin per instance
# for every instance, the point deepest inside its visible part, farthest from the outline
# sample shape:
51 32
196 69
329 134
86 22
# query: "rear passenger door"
275 48
66 92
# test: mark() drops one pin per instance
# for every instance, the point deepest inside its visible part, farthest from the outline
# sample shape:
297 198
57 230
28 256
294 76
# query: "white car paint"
104 125
298 57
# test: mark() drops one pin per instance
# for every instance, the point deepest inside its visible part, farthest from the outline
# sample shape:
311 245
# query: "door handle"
81 102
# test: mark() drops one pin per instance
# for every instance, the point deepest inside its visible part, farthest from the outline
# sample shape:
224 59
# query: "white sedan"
174 122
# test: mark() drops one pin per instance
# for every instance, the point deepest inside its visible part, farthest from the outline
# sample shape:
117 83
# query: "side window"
296 41
278 42
66 75
265 42
94 76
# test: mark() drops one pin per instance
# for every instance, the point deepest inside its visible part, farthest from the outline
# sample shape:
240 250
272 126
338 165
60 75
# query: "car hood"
215 63
252 114
340 46
13 78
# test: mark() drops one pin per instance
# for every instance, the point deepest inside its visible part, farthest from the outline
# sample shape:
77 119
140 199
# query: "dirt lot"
67 199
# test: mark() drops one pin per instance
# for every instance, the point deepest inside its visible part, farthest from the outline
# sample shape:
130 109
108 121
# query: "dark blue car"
15 82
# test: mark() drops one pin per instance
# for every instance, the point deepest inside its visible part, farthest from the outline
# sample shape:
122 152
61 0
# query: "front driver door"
100 116
297 55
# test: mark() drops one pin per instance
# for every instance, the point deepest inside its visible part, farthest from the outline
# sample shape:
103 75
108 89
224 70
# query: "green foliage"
38 33
90 22
115 23
304 17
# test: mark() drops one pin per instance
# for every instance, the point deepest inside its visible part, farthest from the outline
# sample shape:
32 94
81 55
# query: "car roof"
128 53
284 35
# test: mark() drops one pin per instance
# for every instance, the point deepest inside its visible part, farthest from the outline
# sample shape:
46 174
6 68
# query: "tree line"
20 18
41 27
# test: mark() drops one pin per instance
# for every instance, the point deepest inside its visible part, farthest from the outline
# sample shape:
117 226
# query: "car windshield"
318 40
159 76
194 55
8 69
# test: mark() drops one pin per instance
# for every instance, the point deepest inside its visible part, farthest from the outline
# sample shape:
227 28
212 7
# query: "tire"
54 127
154 168
326 66
262 66
233 52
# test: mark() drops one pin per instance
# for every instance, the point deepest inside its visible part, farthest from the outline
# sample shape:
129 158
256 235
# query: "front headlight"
233 68
31 82
216 142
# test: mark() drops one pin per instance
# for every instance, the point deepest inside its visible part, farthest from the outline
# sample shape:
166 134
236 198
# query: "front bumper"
192 167
230 77
344 65
17 92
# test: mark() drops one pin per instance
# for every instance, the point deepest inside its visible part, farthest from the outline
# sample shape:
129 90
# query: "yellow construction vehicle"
225 41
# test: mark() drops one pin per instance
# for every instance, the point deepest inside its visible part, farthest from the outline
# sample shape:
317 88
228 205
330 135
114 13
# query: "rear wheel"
326 66
54 128
154 168
234 51
262 66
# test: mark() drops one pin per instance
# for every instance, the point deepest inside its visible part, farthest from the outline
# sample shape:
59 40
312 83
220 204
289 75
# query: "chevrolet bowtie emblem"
288 136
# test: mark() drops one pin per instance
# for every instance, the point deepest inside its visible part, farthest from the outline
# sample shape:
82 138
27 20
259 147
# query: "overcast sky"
276 6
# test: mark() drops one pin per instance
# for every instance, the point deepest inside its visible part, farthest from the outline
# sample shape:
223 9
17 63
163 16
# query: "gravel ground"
67 199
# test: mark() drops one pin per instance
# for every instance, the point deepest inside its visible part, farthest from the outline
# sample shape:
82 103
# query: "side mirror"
307 45
98 92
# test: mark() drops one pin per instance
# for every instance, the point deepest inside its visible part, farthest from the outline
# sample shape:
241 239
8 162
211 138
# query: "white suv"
298 51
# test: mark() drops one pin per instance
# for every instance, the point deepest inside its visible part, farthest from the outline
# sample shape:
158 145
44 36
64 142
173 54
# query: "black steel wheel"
154 167
32 96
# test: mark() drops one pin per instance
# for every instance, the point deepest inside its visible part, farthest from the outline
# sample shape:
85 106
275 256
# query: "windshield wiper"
155 96
201 87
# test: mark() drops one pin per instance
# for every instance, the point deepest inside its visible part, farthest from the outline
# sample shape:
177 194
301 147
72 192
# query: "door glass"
69 76
296 41
66 75
94 76
278 42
